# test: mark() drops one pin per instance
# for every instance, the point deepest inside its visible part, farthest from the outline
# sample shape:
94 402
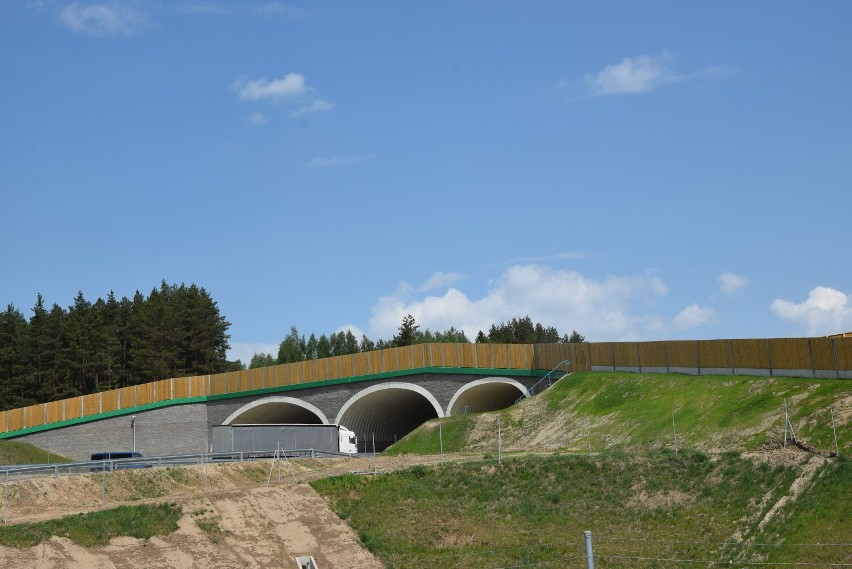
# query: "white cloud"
693 316
600 309
729 283
640 74
99 20
440 280
334 160
632 75
256 119
317 106
826 311
290 86
244 352
356 331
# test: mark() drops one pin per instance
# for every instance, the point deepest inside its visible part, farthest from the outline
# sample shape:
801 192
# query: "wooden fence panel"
714 354
627 354
3 416
682 353
196 386
468 355
72 408
216 383
54 412
580 357
144 394
15 418
305 372
420 355
652 354
601 354
375 362
109 401
843 349
125 394
333 367
404 358
361 363
516 355
451 355
750 354
180 388
34 415
294 373
162 390
483 355
500 356
548 356
434 357
91 404
790 353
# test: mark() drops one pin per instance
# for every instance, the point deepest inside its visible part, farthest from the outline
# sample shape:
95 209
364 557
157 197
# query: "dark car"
118 455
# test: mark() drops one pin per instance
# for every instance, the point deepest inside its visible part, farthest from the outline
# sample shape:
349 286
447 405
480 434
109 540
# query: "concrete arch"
487 394
277 409
387 412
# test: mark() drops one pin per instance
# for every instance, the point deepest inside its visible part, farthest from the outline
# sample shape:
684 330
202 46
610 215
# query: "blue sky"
629 170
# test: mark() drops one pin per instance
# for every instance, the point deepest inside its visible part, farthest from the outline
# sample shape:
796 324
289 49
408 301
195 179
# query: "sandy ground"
241 520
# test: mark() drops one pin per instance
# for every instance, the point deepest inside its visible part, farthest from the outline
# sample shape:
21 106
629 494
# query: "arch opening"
387 413
489 394
277 410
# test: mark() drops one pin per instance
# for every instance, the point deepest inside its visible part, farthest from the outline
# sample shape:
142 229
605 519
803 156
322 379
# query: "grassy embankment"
12 452
626 411
646 503
97 528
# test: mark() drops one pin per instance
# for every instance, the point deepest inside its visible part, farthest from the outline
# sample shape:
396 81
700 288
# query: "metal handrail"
97 466
547 377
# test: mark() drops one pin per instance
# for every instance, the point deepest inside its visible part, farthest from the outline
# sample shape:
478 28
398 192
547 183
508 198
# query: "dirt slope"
240 521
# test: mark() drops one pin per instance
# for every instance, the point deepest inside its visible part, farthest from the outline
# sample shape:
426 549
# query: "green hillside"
731 495
660 505
13 452
627 411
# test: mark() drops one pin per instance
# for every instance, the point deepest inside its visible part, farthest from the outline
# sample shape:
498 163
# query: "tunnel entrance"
490 394
387 413
278 410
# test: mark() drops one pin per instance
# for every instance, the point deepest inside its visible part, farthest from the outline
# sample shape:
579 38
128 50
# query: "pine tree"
408 332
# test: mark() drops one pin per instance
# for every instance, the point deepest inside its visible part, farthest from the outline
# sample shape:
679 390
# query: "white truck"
292 438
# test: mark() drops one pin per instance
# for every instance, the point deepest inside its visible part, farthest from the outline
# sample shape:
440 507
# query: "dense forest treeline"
295 348
94 346
175 331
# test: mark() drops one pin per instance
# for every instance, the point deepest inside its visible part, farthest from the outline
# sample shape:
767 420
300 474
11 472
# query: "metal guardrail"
99 466
547 381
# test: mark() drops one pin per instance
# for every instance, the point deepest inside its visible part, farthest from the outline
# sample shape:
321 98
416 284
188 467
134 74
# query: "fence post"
698 357
499 443
6 498
590 555
731 355
674 431
836 448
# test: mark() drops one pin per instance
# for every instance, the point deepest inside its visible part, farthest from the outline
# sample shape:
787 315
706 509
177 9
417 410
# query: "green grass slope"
97 528
12 452
602 411
644 510
730 496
